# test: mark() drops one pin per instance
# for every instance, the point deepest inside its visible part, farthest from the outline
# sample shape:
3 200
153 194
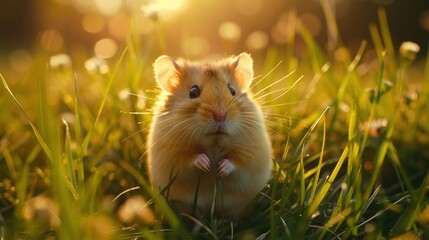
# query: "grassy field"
350 136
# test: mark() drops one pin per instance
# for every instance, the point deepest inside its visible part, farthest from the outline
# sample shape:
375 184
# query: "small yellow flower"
60 61
374 128
136 210
409 50
96 65
152 11
42 209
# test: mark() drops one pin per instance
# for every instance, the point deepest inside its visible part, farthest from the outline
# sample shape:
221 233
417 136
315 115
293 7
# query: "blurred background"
191 28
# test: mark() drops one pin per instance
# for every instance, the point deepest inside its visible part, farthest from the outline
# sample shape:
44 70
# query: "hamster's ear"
166 69
243 66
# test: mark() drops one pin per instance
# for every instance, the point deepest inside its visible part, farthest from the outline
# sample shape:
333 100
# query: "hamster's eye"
231 89
194 92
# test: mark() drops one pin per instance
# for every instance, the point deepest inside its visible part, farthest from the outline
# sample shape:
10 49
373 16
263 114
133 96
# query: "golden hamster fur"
207 129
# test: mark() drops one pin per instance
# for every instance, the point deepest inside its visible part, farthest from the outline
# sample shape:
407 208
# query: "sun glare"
171 4
108 7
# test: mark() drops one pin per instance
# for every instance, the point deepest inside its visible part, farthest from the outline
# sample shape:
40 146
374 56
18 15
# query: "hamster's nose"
219 116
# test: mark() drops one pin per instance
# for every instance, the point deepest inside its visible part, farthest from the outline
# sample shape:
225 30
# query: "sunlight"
108 7
171 4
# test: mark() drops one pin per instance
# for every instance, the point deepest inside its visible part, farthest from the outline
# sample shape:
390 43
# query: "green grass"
351 154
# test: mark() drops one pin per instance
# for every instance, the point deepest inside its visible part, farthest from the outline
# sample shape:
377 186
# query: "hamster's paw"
202 162
224 168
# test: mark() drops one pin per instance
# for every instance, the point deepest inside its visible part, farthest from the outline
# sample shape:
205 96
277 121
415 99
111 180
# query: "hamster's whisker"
196 132
132 135
187 122
272 84
286 90
238 101
281 104
266 75
243 126
194 103
184 135
184 116
137 113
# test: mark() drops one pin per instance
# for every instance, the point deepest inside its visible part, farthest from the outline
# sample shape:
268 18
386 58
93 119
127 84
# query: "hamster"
207 132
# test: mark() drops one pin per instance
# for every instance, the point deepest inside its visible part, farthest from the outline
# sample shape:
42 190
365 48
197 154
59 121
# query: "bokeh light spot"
230 31
284 28
171 4
195 46
142 25
257 40
108 7
119 25
93 23
311 22
424 20
105 48
341 54
20 60
51 40
96 65
367 165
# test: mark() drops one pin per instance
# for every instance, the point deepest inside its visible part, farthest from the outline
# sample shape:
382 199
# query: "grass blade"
36 132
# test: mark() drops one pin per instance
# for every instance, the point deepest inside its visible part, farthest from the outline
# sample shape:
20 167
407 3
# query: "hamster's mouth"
219 131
